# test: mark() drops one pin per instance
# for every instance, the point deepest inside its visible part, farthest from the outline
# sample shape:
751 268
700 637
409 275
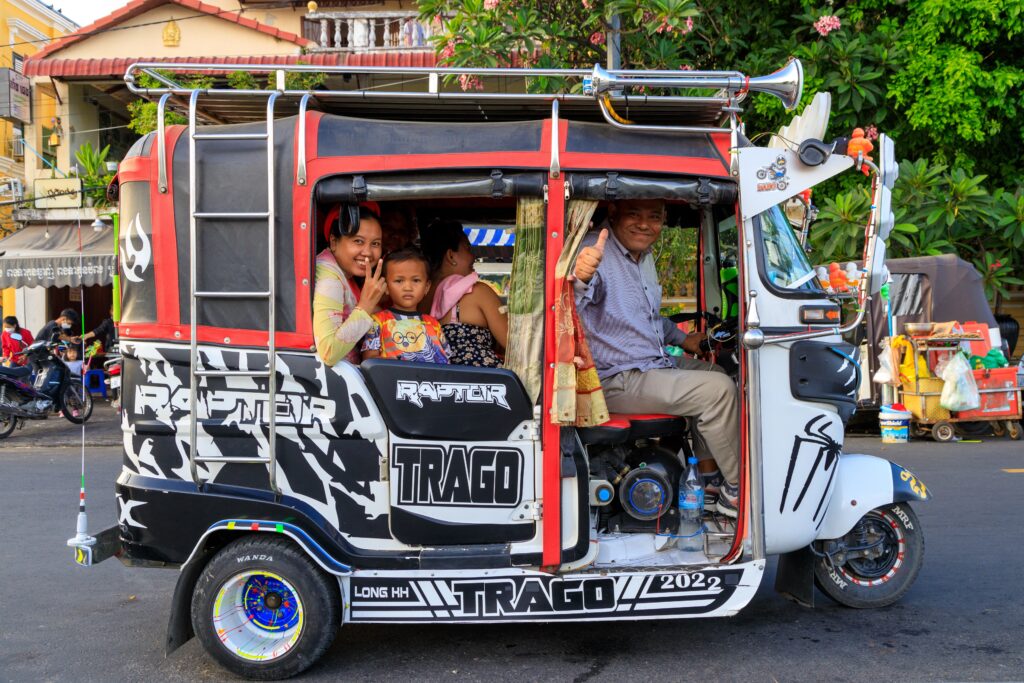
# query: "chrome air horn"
786 84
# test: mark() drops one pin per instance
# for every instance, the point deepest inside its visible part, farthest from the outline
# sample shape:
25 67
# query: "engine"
634 487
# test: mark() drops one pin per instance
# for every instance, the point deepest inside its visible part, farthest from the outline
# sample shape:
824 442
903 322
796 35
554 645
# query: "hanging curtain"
525 351
578 399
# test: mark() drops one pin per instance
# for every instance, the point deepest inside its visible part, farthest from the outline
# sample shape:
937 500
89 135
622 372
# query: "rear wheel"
876 563
76 403
7 424
1013 429
263 610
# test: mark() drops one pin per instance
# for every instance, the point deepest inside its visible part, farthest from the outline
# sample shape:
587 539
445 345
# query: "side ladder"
196 217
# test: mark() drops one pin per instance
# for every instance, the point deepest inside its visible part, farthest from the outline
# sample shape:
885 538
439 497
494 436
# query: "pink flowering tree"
944 79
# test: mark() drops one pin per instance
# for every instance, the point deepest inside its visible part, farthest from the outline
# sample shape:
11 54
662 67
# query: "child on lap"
400 332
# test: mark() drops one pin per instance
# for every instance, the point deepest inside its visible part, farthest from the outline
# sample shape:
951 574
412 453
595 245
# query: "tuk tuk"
294 497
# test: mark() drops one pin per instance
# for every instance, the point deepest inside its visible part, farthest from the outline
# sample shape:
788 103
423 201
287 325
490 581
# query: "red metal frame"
744 514
550 433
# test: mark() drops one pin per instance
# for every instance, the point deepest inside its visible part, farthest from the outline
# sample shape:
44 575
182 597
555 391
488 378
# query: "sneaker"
728 499
711 488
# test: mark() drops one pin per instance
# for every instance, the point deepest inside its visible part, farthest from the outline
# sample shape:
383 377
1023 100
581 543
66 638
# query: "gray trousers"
696 389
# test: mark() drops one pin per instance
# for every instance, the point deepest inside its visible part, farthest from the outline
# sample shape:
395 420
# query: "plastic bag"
959 391
911 365
885 374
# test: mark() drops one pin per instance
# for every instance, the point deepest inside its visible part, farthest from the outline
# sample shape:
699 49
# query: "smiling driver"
619 302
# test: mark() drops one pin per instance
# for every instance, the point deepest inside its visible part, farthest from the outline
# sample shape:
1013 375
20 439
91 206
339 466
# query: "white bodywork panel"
864 482
771 176
506 595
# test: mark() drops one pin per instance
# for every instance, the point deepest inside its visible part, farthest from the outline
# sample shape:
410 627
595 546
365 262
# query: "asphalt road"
962 620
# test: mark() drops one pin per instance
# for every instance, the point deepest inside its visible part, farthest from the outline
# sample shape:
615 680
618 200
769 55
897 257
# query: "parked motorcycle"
46 384
112 366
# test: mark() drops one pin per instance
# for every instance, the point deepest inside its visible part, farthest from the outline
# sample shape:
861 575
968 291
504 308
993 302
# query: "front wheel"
263 610
76 403
876 562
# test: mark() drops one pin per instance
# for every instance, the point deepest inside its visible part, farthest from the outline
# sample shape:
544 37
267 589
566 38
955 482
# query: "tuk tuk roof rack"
712 113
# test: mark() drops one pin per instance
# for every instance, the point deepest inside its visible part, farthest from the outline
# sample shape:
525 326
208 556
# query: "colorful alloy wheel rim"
881 524
258 616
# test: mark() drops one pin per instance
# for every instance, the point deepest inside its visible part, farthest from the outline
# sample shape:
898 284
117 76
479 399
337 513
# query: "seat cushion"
648 425
16 371
613 431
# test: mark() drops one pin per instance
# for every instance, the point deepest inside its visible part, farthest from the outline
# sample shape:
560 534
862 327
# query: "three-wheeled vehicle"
294 497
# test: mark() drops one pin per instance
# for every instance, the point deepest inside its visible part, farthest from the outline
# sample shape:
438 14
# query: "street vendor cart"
999 393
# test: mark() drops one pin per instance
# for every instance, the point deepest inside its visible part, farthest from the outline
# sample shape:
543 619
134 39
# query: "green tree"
943 79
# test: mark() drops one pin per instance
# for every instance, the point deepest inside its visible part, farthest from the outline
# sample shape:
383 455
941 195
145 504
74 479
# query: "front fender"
863 483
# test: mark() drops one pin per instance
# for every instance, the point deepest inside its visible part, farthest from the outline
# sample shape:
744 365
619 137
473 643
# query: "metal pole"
615 43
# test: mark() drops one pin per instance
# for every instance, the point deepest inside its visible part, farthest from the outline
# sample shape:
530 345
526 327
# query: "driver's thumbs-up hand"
590 258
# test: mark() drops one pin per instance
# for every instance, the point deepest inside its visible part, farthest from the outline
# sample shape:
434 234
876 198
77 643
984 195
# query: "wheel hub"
258 615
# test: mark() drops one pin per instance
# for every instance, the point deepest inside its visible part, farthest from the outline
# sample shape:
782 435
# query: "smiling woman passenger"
342 309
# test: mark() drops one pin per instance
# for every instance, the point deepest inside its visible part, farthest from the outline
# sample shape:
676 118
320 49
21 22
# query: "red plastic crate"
1002 404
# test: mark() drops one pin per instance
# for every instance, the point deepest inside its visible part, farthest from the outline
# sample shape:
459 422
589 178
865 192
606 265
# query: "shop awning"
49 256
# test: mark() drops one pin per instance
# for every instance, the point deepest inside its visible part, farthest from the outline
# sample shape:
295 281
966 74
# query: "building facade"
29 26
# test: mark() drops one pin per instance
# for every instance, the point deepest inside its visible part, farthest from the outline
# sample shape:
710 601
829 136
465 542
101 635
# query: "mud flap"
794 576
179 627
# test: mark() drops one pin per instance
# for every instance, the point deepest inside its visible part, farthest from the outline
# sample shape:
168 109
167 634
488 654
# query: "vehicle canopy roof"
357 159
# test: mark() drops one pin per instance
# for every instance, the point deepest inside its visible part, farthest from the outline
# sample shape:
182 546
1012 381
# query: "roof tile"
137 7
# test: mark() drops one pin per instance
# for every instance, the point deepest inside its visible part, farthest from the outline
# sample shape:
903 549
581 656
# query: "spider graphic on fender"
828 449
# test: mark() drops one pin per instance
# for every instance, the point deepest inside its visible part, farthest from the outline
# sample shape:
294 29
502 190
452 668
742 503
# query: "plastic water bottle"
691 508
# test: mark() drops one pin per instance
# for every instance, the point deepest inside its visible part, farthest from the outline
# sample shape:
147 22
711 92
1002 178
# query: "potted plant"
92 165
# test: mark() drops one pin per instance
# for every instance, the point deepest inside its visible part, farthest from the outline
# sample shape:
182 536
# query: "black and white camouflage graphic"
330 437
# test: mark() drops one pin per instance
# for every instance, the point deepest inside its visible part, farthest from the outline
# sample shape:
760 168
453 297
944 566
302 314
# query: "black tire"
974 428
285 571
943 432
75 403
882 580
7 424
1013 429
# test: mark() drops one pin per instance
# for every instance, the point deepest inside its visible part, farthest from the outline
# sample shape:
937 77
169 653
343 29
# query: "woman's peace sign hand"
373 289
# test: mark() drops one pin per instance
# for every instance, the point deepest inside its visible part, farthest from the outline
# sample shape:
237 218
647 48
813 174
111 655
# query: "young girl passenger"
400 332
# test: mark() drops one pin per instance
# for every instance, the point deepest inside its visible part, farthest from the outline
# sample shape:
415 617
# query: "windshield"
786 264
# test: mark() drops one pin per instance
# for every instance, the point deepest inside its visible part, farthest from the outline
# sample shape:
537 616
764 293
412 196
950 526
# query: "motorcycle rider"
14 340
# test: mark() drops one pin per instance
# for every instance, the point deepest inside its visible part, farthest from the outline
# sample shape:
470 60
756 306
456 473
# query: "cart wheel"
877 561
263 610
998 428
1013 429
943 431
917 430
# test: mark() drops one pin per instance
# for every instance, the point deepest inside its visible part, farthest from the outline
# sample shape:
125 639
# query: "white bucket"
895 426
